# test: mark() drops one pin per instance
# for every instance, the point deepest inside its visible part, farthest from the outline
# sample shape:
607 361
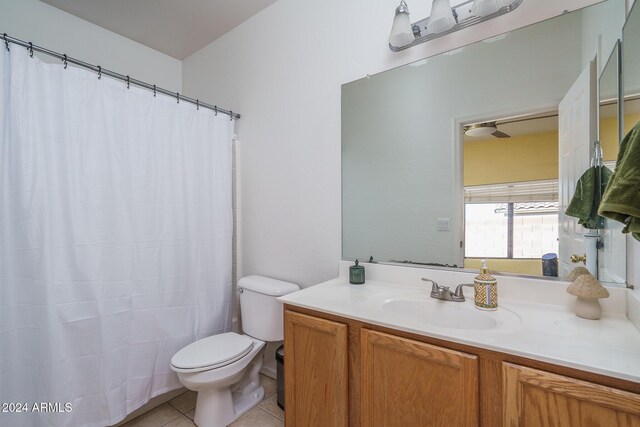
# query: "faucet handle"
434 285
458 292
439 292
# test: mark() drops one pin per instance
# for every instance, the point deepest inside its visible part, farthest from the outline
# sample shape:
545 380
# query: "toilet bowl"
216 404
224 369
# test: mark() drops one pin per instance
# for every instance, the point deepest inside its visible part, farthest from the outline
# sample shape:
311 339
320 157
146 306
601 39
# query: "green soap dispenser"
356 274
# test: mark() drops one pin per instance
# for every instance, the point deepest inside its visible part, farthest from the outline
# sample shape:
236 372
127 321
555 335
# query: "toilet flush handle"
240 290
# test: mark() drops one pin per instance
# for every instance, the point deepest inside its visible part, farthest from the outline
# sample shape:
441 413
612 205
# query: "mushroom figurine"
578 271
588 290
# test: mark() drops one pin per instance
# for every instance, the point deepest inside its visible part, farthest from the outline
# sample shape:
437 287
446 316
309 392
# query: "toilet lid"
213 352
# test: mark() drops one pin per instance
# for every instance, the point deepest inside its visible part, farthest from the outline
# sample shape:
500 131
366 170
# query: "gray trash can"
280 375
550 265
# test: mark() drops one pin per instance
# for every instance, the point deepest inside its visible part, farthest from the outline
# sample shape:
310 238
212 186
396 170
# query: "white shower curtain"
115 240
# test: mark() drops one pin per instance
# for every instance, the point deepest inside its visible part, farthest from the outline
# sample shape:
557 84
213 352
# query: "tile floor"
179 411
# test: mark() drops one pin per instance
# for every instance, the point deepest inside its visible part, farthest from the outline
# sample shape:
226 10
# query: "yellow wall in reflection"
519 158
630 120
528 157
608 138
608 134
520 266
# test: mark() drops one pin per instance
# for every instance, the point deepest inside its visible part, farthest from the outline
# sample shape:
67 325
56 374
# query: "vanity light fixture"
444 19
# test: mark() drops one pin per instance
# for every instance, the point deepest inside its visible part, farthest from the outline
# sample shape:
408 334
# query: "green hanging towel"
584 204
621 199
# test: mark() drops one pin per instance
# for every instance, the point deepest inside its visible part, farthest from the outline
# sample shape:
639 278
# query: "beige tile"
191 414
181 421
156 417
257 417
269 384
185 402
270 405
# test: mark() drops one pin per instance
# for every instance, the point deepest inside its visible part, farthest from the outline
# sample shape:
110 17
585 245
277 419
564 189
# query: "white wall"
283 70
46 26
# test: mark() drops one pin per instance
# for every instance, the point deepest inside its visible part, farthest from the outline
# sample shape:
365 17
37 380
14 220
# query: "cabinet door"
315 371
410 383
537 398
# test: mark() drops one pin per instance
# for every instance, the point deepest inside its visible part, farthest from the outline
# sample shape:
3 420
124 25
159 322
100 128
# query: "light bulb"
441 18
401 32
486 7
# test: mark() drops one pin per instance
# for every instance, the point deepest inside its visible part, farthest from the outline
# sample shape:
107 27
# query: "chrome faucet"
439 292
444 292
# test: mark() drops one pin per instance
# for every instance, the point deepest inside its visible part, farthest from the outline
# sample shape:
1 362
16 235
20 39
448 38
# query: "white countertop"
532 329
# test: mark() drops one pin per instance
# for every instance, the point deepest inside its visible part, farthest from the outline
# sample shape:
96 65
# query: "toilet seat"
212 352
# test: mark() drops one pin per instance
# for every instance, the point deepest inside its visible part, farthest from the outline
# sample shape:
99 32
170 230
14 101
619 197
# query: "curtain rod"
98 69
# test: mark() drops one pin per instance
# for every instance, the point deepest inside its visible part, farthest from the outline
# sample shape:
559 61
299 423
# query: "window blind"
527 191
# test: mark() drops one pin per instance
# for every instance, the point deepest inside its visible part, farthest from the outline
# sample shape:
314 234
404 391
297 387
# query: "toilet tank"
262 314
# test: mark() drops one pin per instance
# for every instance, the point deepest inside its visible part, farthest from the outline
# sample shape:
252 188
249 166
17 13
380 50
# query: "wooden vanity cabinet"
537 398
340 372
410 383
403 382
316 371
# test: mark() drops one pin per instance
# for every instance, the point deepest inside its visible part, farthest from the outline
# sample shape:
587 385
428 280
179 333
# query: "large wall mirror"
631 70
455 158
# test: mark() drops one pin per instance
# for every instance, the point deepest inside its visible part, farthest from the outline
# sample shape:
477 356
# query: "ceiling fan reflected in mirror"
484 130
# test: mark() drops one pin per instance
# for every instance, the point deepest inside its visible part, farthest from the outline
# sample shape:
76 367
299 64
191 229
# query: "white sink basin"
447 314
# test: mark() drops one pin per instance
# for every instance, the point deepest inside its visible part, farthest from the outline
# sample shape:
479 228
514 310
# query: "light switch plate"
443 224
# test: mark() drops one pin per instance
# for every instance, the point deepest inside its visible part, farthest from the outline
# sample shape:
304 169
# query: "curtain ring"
230 115
178 97
215 109
99 72
64 60
6 43
197 104
30 50
154 91
127 82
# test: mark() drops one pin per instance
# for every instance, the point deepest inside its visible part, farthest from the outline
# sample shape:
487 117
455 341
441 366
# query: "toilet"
224 368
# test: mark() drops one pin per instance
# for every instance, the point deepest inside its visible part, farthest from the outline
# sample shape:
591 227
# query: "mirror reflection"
631 70
511 215
610 266
420 188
